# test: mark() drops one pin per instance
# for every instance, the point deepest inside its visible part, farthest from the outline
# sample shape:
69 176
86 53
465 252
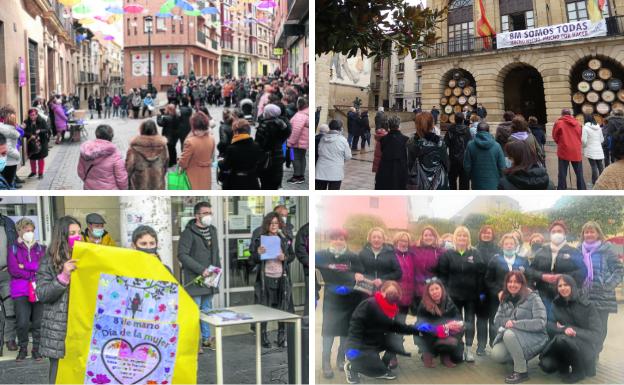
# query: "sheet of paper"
272 245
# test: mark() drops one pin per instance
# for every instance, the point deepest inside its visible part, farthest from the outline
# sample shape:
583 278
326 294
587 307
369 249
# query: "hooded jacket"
535 178
592 139
146 162
101 167
333 151
484 161
12 136
616 123
567 134
300 132
531 141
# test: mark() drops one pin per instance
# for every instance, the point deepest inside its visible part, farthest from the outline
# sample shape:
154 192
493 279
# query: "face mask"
448 245
3 161
152 251
557 238
71 240
337 251
98 233
28 237
536 246
285 219
509 253
206 220
392 298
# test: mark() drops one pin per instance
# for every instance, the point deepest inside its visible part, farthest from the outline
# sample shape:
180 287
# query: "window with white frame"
577 10
460 36
517 21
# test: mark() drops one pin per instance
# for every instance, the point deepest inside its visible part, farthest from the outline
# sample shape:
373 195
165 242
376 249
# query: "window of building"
460 36
128 26
135 24
460 3
33 66
181 24
373 203
517 21
173 23
160 24
577 10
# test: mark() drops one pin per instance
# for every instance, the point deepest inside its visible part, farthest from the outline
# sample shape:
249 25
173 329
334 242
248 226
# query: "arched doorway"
523 90
459 89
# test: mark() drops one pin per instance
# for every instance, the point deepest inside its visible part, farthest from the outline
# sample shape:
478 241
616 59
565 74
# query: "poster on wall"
353 71
139 64
172 64
128 323
583 29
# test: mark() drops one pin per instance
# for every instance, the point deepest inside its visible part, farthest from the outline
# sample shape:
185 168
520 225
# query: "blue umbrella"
210 11
115 10
185 5
164 15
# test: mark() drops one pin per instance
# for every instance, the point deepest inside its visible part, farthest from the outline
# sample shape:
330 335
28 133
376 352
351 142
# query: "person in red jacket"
567 134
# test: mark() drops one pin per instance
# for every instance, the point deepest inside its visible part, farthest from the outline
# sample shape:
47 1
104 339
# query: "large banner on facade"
562 32
130 322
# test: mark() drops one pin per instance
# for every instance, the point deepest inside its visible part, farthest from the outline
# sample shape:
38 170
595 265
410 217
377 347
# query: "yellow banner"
129 321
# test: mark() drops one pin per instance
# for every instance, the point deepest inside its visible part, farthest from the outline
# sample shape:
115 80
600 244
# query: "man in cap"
95 232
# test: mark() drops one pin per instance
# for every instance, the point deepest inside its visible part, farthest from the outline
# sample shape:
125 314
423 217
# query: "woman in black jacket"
462 271
545 268
340 269
53 279
169 121
525 173
604 274
242 159
372 321
392 172
37 136
487 248
378 259
427 159
574 332
273 287
184 122
225 132
538 131
456 140
440 324
270 135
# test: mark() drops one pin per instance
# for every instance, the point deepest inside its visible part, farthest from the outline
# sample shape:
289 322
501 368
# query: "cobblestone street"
61 164
359 175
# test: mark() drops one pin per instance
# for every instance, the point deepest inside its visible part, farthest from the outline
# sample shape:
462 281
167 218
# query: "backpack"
421 177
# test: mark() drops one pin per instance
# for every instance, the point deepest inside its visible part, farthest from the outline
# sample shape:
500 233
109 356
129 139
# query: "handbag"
33 145
32 291
178 180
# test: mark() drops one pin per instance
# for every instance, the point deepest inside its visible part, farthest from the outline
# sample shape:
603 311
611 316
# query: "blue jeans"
205 303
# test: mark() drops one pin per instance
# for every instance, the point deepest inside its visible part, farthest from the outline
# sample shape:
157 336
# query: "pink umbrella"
267 4
109 37
133 8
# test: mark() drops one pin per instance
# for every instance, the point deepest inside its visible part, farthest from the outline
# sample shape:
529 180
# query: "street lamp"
148 25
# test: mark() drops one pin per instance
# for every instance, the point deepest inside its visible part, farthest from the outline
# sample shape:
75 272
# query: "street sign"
22 72
278 51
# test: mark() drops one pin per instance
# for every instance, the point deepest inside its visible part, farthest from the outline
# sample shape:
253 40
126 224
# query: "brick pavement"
62 162
411 370
359 174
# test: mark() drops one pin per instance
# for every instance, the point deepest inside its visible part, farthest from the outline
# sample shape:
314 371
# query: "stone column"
154 211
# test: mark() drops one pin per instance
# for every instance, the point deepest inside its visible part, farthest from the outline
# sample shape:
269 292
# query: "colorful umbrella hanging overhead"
267 4
185 5
210 11
133 8
164 15
167 7
115 10
81 9
70 3
194 12
109 37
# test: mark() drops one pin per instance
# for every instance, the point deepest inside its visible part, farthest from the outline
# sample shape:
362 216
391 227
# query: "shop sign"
583 29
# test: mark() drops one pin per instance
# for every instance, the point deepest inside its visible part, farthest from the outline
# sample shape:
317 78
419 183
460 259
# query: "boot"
576 375
265 340
340 360
21 356
326 367
36 355
445 359
428 360
281 338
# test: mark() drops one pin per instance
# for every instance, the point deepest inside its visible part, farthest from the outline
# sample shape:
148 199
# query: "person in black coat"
378 259
456 140
184 120
270 135
353 129
574 332
525 172
340 269
225 132
462 271
538 131
440 324
365 130
98 105
545 268
504 261
242 160
273 286
169 121
392 172
372 322
302 252
487 248
37 135
429 150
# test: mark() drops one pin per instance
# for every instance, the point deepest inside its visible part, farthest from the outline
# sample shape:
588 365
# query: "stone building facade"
535 79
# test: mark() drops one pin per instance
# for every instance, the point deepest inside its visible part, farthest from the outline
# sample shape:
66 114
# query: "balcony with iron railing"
398 88
399 68
201 37
474 45
417 87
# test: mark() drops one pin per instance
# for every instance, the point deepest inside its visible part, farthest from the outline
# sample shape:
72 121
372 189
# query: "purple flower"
90 373
101 379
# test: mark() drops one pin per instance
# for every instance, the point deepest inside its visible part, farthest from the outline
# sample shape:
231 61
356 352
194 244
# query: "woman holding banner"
53 279
273 287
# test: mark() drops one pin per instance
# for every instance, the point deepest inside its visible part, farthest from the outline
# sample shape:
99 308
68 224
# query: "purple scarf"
588 249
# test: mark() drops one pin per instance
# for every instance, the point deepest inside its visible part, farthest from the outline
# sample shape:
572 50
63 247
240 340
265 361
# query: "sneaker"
292 180
212 343
352 377
468 356
299 180
480 351
36 355
387 376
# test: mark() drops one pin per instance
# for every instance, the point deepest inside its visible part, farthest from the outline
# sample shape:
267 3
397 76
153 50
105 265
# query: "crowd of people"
523 300
473 155
275 108
35 282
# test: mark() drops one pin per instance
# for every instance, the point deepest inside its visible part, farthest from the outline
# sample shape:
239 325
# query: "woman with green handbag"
147 159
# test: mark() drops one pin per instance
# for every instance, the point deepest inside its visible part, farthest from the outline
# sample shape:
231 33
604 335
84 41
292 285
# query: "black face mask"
536 246
153 251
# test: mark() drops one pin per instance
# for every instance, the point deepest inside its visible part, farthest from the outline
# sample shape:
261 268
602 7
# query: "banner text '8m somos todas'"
553 33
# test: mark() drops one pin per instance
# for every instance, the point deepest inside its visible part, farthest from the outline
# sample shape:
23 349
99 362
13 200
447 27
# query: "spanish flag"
595 8
484 29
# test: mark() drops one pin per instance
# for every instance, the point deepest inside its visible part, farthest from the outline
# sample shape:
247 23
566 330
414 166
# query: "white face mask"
285 219
28 237
557 238
206 220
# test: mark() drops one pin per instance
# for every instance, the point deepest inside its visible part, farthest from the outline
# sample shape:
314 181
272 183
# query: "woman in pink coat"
299 139
101 166
60 119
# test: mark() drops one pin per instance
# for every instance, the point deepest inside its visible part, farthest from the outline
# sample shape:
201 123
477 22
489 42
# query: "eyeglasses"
432 279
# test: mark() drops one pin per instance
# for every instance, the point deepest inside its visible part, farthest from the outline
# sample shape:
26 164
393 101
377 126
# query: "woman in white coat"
9 129
333 151
592 146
